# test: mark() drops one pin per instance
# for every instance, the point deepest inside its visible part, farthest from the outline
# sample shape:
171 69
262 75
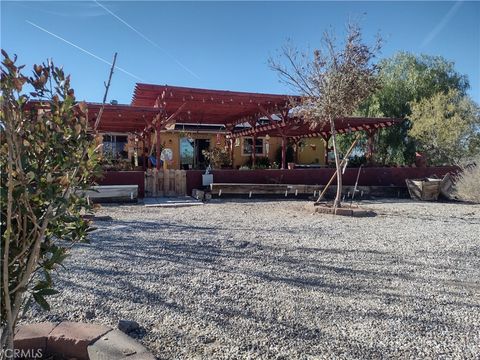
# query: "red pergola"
154 107
122 118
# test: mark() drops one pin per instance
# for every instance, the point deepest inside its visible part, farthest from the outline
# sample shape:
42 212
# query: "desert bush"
46 156
467 185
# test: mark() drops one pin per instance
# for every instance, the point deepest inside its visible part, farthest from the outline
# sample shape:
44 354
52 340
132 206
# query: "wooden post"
157 145
254 153
284 152
370 145
326 138
144 156
232 140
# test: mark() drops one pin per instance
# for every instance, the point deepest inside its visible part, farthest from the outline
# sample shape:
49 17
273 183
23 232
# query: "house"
174 126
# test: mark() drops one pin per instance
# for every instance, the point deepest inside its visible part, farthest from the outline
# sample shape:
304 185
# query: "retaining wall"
385 176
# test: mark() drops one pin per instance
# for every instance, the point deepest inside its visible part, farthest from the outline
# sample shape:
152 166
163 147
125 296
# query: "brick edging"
72 340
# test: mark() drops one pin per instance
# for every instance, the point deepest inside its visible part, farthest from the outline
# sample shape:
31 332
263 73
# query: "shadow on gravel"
333 301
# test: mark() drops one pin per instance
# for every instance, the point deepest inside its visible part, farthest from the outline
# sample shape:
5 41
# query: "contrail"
433 34
143 36
85 51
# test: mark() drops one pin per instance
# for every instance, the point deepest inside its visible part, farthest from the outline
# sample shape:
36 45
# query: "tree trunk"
338 198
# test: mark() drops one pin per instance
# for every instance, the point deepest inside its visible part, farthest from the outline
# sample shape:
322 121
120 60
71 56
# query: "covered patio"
155 108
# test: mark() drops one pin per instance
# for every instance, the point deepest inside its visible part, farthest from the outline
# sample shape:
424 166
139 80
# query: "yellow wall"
313 151
239 159
171 139
306 154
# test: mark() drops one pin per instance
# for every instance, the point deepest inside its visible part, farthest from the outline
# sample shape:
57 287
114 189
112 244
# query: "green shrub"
47 158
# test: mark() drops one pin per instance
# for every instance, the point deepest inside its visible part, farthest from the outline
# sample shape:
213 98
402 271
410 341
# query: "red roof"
217 107
205 106
121 118
295 127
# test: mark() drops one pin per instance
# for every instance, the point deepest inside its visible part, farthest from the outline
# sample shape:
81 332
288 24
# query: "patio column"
157 145
231 149
254 153
144 156
284 152
370 145
326 139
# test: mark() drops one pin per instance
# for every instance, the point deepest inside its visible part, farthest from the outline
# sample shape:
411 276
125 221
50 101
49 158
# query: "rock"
117 346
89 314
127 325
198 194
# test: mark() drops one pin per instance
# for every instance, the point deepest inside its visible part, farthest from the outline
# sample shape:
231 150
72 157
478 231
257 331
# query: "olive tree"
47 158
405 78
333 81
446 127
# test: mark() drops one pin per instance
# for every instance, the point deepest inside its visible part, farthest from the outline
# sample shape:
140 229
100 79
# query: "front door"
200 145
187 151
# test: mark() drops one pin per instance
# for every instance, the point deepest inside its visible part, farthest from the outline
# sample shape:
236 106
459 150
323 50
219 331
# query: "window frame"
257 146
112 148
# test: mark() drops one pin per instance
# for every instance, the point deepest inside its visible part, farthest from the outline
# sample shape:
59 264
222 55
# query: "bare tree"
332 81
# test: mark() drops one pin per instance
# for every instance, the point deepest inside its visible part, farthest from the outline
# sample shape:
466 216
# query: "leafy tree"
332 82
405 78
47 158
446 127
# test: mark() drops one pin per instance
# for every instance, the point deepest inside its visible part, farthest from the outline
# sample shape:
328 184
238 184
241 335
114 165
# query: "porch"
181 182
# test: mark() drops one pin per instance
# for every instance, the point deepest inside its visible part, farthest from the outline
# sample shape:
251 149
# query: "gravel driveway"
268 279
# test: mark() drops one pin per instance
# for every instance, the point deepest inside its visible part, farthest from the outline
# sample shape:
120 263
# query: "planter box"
424 189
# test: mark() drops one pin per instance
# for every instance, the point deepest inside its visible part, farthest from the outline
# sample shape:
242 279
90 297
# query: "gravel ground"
269 279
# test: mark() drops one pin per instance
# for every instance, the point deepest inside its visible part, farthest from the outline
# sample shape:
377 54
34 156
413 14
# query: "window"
248 146
115 146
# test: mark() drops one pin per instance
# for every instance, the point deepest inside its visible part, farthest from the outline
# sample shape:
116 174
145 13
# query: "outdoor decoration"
166 156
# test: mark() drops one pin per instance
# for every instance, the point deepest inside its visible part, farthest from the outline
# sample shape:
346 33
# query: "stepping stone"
117 345
171 202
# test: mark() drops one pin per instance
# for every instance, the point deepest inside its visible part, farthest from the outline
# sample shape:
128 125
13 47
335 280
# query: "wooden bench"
290 189
263 189
112 193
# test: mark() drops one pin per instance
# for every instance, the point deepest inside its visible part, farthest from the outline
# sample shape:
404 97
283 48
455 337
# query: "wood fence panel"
165 182
171 184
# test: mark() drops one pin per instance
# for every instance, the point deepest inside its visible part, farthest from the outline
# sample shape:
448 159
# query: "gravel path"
268 279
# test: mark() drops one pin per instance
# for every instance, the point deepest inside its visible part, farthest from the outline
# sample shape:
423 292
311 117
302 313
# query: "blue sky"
221 45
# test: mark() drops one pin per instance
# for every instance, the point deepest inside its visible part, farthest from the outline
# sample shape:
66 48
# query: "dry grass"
467 186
